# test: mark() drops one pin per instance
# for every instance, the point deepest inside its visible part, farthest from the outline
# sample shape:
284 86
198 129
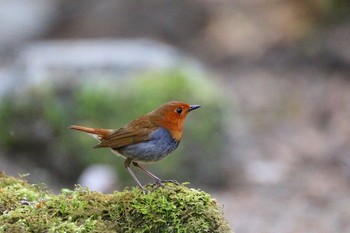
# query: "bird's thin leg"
159 181
146 171
127 166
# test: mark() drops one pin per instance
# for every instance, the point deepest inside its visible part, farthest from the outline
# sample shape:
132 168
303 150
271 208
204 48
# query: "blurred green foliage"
35 124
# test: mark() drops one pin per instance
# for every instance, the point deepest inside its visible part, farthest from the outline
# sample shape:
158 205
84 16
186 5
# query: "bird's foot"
160 183
145 191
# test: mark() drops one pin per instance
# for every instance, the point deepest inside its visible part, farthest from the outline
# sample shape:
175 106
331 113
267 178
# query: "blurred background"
271 142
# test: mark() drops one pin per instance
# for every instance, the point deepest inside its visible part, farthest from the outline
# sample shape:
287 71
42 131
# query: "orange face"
172 116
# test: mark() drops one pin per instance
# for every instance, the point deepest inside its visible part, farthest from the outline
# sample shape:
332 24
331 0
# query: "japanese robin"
149 138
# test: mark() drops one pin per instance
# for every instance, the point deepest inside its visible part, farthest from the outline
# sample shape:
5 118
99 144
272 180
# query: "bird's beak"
193 107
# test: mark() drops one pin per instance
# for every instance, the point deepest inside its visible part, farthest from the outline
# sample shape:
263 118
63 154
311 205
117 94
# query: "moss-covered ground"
30 208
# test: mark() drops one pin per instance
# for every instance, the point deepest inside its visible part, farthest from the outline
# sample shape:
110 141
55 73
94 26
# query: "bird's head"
172 116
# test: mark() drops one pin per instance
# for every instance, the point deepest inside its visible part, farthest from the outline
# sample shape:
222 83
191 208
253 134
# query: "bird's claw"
145 191
160 183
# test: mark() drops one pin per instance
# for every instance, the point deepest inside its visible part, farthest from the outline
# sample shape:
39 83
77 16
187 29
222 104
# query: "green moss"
29 208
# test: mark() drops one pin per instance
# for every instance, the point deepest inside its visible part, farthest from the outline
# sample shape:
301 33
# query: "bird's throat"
176 135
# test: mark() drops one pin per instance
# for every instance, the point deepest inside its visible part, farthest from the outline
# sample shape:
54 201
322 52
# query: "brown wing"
134 132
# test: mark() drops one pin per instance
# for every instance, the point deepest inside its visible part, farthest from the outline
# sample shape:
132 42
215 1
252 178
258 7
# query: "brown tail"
96 133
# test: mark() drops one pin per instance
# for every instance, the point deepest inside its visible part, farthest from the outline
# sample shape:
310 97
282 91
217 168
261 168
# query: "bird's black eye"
179 110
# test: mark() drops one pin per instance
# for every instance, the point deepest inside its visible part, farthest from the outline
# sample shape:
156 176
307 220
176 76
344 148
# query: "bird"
149 138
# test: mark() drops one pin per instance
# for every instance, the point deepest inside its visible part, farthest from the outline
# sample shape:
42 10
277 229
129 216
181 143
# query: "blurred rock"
100 177
265 172
64 61
23 20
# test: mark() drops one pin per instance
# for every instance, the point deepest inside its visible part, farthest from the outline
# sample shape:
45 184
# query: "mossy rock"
30 208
